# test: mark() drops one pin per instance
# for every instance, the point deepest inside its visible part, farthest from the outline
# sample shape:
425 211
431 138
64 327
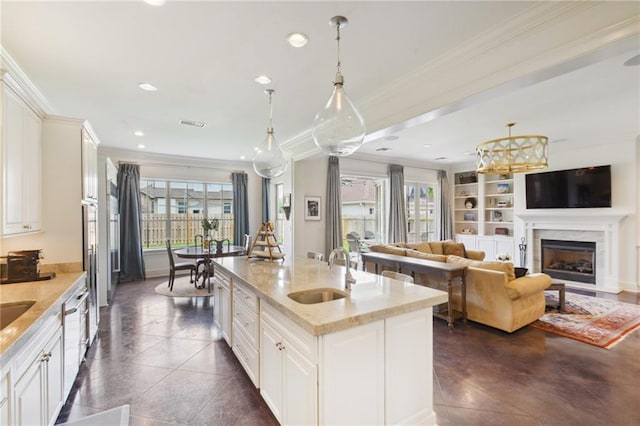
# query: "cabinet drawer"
220 278
303 341
247 356
33 349
246 295
246 320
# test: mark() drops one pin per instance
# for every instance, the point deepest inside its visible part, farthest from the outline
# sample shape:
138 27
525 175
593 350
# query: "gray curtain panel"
397 209
444 230
333 236
266 185
240 206
131 256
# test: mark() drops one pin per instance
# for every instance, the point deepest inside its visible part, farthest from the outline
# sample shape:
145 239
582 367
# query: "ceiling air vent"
383 149
192 123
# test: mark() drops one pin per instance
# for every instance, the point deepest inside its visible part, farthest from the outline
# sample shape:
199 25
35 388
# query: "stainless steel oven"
74 325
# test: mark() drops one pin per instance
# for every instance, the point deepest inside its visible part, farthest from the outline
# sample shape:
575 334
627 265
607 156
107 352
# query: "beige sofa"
495 297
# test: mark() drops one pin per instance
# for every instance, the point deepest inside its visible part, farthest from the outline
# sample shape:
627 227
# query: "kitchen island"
359 358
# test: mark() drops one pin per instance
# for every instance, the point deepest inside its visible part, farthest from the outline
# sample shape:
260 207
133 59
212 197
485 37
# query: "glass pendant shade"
269 161
338 128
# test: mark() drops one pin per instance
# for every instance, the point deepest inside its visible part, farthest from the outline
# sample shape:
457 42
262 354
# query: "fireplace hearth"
569 260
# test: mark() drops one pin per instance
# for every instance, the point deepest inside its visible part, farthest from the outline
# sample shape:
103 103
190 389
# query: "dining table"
200 252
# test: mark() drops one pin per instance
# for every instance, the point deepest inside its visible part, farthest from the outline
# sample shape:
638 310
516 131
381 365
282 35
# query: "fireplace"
569 260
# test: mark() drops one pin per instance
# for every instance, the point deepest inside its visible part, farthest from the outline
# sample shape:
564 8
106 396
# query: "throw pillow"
455 249
427 256
506 267
437 247
423 247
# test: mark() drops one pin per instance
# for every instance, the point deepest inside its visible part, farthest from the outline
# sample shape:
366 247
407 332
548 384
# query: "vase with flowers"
207 227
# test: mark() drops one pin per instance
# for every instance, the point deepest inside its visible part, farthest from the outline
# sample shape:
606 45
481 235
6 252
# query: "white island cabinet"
363 359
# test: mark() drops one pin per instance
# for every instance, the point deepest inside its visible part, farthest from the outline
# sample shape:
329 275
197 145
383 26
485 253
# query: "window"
362 208
175 209
420 198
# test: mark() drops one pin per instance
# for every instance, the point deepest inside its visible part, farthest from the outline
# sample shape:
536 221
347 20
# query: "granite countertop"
373 297
48 295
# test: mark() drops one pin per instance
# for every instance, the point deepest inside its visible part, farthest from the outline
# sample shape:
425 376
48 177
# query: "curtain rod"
188 166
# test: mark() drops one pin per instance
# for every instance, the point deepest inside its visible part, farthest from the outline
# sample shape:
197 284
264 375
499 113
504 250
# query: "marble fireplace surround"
601 227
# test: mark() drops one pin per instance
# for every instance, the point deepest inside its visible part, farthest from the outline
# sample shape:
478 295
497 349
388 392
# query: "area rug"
182 288
592 320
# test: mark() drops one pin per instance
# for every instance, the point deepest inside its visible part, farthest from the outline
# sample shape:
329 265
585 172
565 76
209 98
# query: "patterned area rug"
599 322
182 288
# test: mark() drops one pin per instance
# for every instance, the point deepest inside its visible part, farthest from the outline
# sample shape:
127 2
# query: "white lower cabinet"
38 391
492 246
288 369
352 376
245 330
5 396
222 304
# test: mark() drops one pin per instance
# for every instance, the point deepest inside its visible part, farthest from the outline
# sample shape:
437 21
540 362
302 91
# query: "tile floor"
161 356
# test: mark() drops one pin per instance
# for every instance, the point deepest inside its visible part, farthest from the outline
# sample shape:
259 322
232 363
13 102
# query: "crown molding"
27 90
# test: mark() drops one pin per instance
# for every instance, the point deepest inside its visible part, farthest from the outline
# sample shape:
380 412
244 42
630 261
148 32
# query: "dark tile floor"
161 356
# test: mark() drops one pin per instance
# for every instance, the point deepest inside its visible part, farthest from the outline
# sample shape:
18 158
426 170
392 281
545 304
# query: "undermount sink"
317 295
11 311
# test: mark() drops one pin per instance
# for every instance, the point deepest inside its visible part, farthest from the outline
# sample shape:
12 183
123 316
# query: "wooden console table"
453 274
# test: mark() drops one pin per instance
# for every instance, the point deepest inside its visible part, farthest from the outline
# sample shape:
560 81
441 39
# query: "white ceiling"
88 57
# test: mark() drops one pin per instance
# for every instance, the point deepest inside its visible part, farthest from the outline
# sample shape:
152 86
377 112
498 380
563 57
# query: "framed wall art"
312 208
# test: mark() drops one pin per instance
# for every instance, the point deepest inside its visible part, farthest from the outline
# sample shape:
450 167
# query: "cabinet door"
271 369
488 246
300 391
32 170
5 398
54 395
12 162
352 376
408 368
217 305
89 167
225 315
29 395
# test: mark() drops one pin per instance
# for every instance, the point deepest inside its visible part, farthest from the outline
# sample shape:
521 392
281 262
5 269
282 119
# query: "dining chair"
315 255
397 276
353 264
182 266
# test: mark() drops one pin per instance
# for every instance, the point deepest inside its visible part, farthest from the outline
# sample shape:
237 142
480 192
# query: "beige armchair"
497 299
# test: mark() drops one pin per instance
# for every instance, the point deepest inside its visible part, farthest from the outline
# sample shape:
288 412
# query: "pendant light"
338 128
515 154
269 160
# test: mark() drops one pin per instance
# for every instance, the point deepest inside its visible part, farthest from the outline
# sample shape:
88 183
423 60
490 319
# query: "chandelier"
514 154
338 129
269 160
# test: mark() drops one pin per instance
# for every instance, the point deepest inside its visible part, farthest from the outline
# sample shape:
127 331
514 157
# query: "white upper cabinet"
89 167
21 165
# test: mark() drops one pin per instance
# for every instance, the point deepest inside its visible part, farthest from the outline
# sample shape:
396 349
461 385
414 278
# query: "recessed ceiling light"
440 158
383 149
148 87
255 148
427 145
242 157
297 39
391 138
138 133
192 123
262 79
155 2
141 146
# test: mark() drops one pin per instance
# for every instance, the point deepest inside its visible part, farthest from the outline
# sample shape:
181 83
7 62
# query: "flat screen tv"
576 188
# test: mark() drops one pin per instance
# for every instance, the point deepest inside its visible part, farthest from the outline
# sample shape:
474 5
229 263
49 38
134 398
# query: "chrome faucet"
348 278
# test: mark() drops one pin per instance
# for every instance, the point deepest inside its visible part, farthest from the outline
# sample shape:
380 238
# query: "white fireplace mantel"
604 221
